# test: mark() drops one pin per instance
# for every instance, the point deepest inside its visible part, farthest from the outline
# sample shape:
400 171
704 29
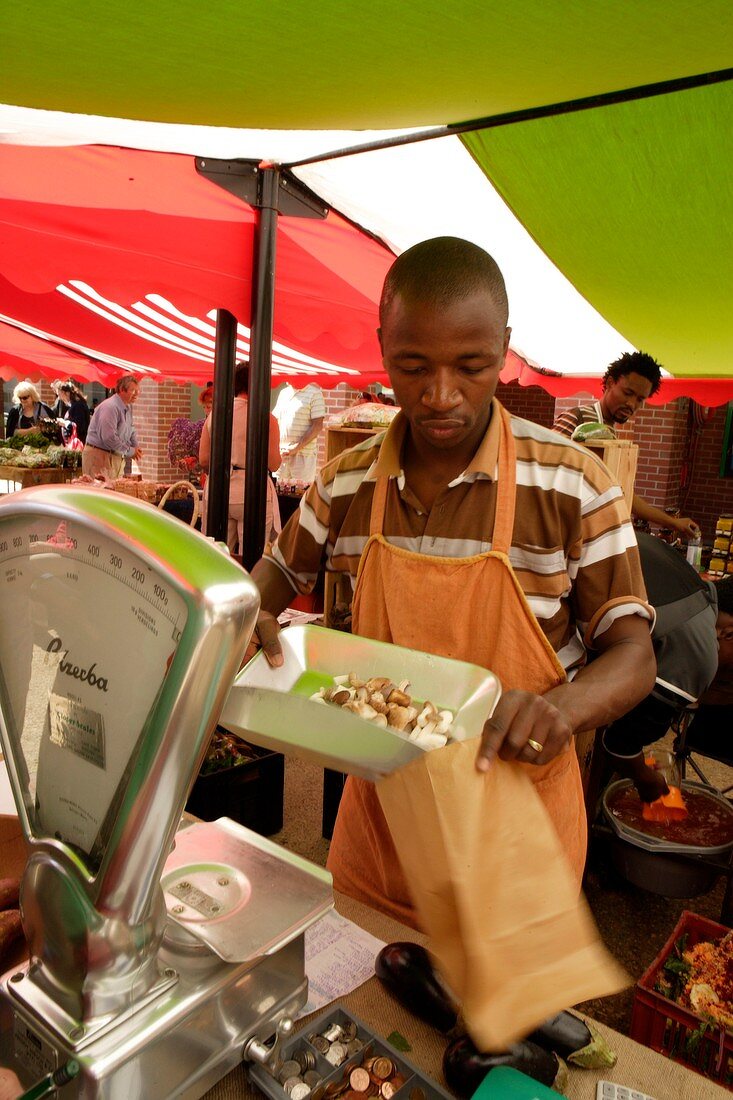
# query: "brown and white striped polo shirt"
573 547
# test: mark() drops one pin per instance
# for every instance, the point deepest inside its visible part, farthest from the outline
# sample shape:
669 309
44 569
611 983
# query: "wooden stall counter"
638 1068
14 478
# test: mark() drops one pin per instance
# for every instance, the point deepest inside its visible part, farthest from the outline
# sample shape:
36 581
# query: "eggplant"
407 972
464 1067
575 1041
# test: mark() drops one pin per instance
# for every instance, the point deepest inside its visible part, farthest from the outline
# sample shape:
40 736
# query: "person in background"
476 535
235 530
27 411
58 406
627 384
111 437
300 415
206 398
693 645
75 410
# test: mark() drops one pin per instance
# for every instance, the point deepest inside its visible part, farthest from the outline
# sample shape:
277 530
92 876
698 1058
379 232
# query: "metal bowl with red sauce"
709 824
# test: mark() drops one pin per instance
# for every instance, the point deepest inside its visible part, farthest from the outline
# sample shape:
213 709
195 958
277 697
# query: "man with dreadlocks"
629 381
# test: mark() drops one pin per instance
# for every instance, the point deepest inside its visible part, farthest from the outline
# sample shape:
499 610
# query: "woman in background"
74 410
27 411
235 532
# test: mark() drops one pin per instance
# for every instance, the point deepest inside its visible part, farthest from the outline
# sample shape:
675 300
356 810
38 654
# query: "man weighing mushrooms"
476 535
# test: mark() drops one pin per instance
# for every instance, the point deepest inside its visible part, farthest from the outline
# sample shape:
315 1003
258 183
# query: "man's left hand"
686 527
524 727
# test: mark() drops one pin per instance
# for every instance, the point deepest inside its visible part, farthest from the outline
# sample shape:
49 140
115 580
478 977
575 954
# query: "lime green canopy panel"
634 204
300 64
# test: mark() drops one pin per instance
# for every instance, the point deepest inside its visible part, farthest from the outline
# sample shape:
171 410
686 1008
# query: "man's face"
625 396
443 363
129 396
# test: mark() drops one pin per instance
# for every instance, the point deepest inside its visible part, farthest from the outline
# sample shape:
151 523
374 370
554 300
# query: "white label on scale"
77 728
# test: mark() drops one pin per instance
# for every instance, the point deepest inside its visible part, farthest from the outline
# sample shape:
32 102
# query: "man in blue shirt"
111 437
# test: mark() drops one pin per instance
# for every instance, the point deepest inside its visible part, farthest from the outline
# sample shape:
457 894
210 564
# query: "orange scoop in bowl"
670 807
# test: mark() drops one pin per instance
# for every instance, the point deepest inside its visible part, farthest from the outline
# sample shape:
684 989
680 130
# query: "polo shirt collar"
485 461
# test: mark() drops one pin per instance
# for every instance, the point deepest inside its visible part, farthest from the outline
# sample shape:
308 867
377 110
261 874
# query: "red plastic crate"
666 1027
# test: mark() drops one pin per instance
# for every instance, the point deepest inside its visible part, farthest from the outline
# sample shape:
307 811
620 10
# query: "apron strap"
506 488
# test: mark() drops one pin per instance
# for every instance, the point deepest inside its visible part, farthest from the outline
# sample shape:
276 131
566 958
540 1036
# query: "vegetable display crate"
621 456
673 1030
250 793
15 478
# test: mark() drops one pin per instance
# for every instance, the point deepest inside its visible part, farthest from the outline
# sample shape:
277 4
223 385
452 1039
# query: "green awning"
634 203
296 64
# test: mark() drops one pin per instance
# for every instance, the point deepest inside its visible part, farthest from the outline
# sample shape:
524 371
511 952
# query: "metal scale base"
192 1027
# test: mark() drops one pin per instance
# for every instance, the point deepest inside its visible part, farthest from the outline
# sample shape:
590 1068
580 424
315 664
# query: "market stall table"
14 478
637 1068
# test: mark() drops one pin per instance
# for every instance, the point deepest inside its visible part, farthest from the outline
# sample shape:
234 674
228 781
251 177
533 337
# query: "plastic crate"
666 1027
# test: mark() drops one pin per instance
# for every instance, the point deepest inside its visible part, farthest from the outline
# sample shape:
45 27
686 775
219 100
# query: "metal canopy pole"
260 367
271 191
225 351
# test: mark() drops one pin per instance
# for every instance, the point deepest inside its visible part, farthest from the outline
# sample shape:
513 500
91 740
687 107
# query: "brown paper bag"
494 893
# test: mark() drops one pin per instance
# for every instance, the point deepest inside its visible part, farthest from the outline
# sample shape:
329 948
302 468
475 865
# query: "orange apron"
471 609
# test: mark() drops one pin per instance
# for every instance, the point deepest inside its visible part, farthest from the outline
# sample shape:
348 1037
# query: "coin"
383 1068
306 1059
348 1029
332 1032
320 1043
387 1090
336 1054
290 1084
397 1080
354 1046
359 1079
300 1091
291 1068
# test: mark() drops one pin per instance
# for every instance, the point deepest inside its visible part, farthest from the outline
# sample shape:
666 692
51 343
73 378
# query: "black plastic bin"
250 793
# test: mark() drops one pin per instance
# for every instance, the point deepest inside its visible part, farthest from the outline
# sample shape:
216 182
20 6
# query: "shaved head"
440 271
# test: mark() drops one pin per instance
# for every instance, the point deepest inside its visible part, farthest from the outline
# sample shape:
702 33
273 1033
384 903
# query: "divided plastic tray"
416 1085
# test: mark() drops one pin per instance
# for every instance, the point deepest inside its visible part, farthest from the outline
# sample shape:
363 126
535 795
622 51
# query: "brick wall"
530 402
157 406
709 495
337 399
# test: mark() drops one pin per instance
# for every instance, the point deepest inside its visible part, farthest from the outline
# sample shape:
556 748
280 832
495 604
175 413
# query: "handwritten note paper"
339 957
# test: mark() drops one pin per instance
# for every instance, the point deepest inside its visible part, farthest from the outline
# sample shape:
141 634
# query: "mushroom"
377 683
339 695
360 709
355 682
400 698
427 714
380 720
376 700
399 717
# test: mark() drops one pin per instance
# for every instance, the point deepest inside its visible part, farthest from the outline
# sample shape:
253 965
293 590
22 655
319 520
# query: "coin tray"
416 1087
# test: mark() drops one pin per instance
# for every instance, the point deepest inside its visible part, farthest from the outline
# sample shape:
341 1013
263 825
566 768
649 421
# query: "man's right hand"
266 636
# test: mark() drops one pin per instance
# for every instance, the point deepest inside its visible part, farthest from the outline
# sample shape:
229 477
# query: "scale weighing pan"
158 955
272 706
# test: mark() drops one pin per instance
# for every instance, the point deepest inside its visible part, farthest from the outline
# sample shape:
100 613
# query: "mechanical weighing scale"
160 956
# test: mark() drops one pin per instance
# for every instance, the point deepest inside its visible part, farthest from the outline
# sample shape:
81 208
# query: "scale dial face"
87 633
